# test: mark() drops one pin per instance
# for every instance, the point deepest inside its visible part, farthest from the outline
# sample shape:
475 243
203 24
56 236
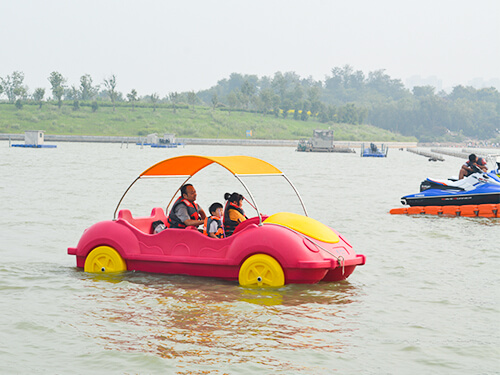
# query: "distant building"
34 137
322 141
480 83
152 139
416 80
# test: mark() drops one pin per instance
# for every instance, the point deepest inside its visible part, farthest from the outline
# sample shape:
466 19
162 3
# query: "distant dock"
34 146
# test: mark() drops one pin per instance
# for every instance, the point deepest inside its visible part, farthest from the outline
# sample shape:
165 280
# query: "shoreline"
198 141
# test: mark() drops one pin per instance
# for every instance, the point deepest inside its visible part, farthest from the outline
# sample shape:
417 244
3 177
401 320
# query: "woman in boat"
233 213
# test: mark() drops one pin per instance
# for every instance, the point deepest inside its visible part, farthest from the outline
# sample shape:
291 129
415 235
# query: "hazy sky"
163 45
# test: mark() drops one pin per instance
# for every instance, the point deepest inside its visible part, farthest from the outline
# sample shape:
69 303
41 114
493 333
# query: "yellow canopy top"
188 165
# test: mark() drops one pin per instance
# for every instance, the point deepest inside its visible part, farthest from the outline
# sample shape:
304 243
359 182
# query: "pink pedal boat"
275 250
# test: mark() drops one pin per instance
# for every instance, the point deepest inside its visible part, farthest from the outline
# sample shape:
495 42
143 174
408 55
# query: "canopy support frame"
235 175
298 195
252 198
173 197
123 196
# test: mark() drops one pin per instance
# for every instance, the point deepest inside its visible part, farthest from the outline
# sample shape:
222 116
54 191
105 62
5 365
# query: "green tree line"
345 96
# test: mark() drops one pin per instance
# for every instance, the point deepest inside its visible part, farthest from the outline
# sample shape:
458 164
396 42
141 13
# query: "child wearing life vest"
213 223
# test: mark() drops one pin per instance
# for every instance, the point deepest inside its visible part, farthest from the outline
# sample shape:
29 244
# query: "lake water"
426 302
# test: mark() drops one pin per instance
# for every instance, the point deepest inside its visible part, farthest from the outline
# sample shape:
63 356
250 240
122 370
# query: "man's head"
472 158
188 192
216 209
481 161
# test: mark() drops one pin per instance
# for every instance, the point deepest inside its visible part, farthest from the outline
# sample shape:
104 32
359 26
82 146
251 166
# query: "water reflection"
217 290
199 321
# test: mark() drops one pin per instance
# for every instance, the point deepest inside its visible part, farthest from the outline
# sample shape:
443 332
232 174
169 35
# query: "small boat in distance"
374 151
321 141
153 140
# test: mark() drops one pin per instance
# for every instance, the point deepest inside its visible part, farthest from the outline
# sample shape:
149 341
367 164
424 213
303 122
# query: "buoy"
399 211
488 210
451 210
471 210
415 210
433 210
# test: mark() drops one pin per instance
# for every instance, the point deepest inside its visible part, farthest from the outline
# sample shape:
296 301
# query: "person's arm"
194 223
236 216
182 213
213 229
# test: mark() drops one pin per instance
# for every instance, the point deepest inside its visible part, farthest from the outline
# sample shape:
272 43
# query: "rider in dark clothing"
471 166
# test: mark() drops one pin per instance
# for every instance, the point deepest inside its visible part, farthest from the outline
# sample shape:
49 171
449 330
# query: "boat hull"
443 199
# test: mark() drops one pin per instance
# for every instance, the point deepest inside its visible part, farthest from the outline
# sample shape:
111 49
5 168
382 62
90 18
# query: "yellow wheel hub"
104 259
261 270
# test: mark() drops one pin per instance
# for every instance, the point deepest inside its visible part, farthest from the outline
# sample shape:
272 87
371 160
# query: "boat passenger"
185 212
213 223
233 213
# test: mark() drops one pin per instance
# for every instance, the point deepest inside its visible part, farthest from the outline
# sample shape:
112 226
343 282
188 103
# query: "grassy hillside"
200 122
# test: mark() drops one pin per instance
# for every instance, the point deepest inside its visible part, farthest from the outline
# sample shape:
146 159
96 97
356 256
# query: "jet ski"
478 188
495 159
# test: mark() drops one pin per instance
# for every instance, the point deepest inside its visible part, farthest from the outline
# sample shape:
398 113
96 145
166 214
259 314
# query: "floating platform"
33 146
322 141
471 210
324 149
164 146
373 151
160 145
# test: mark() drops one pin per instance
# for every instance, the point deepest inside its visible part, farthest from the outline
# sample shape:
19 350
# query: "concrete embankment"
199 141
430 155
454 153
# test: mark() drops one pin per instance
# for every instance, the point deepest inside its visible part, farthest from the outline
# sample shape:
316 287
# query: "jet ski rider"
468 167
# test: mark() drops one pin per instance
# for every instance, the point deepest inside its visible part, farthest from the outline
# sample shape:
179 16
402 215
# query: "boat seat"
454 184
143 223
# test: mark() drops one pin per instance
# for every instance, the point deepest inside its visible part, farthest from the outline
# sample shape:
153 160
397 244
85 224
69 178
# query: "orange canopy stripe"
188 165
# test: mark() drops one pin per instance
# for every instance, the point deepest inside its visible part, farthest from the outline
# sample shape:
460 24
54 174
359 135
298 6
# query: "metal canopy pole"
251 197
123 196
126 191
166 209
239 179
298 195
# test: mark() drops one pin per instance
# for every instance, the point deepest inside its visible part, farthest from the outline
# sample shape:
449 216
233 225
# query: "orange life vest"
193 211
208 222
